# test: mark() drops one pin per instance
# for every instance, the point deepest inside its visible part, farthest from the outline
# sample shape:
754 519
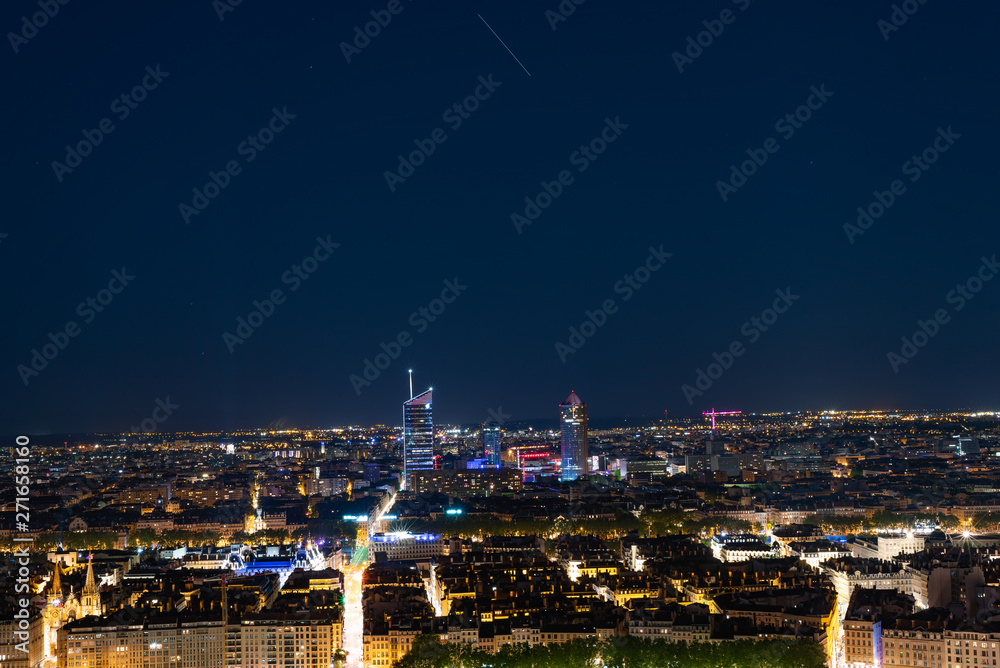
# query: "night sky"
384 247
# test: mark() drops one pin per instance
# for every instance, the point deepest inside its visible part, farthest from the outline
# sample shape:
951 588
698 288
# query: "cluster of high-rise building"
419 444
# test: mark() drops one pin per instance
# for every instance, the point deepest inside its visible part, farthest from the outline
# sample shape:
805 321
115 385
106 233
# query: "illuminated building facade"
573 439
418 435
268 639
405 546
491 444
11 646
466 482
535 460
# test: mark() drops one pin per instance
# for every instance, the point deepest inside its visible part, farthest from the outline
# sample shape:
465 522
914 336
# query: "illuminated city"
562 334
834 535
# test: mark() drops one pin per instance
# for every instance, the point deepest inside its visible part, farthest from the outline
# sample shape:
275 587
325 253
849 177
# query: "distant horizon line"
885 412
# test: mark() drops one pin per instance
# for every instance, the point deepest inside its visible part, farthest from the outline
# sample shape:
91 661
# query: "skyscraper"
418 435
573 440
491 444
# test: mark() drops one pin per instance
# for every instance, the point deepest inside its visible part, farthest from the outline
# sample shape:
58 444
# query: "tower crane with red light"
713 413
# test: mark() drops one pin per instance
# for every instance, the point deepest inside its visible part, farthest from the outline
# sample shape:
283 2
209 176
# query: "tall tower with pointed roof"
573 437
55 585
90 600
55 613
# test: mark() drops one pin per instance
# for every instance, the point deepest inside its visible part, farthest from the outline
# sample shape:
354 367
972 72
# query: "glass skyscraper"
573 440
418 435
491 444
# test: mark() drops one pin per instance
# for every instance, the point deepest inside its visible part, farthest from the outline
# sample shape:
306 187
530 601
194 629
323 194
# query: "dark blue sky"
323 175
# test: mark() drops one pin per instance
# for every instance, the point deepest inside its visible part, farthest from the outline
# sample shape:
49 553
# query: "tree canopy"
620 652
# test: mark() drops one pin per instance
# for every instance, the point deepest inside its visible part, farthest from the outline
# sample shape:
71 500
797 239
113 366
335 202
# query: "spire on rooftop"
90 587
55 585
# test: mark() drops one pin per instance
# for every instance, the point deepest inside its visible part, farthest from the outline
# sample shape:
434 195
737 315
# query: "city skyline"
805 510
612 421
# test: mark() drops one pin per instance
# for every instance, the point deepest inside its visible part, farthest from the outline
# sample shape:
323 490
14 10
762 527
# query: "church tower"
90 601
55 585
53 614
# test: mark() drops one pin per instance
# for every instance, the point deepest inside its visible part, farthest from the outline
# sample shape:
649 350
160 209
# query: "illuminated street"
353 613
353 616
